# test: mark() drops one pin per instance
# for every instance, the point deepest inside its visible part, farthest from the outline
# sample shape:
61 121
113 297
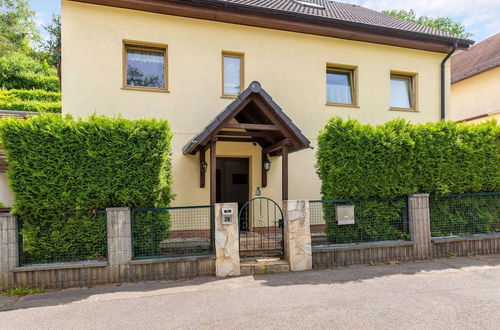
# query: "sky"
480 17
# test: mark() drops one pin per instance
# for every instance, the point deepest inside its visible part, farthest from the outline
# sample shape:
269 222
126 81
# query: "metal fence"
465 214
373 220
78 236
172 231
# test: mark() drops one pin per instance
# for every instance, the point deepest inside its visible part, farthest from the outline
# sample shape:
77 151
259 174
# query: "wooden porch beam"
264 172
259 127
284 172
276 146
202 173
252 134
235 139
213 173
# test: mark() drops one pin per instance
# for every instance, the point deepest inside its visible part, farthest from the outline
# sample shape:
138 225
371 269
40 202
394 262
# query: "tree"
53 45
17 25
444 24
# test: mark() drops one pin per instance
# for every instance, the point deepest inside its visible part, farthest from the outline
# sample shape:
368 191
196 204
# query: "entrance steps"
263 265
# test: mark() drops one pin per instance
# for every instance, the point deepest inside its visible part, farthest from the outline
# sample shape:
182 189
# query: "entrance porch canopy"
252 117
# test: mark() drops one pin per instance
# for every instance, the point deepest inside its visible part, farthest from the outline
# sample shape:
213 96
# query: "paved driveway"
444 294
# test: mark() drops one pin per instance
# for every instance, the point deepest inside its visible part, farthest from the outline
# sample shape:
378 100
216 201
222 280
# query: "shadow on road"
333 276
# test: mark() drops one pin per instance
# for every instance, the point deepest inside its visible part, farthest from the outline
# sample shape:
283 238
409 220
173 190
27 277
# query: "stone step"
252 266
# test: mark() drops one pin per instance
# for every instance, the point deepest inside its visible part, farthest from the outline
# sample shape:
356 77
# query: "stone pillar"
420 225
227 249
9 250
298 249
119 243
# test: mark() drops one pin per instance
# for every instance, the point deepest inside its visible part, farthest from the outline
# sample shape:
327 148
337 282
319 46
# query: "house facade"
247 85
475 81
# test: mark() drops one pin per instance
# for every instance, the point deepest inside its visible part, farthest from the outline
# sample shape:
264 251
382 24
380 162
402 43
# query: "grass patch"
22 291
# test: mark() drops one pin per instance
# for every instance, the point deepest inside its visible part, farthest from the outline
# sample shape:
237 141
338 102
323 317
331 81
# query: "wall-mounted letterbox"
227 215
345 214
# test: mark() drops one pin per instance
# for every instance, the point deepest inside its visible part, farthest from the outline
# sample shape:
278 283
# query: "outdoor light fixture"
267 164
203 166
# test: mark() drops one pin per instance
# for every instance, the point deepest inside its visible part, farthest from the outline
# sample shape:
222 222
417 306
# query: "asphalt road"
462 293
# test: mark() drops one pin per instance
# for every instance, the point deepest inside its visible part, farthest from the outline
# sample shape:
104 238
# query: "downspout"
443 79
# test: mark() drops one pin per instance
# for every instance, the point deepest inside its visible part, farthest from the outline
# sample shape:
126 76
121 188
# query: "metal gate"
261 228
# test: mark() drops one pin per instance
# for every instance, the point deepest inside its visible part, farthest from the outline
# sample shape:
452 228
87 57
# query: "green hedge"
30 100
58 166
19 71
31 95
356 161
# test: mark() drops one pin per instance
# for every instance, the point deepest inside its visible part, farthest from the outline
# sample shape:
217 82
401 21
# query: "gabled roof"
335 12
481 57
254 106
319 17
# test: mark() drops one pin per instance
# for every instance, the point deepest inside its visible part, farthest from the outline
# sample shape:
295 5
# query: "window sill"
229 96
145 89
330 104
403 109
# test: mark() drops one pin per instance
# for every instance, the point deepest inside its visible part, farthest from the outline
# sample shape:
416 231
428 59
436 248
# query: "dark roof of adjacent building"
321 17
481 57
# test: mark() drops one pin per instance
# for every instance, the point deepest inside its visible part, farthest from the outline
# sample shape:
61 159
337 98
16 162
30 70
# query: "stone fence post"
420 225
119 243
9 250
298 249
227 249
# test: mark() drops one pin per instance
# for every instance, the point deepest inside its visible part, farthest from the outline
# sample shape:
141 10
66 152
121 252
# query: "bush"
31 95
356 161
59 166
19 71
399 159
36 106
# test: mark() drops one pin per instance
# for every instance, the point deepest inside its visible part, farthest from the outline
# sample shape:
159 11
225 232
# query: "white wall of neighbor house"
291 67
6 197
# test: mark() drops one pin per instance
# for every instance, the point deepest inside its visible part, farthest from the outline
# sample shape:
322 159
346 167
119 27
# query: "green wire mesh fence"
172 231
76 236
375 219
465 214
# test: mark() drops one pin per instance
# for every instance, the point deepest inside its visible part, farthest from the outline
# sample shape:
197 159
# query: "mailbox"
227 215
345 214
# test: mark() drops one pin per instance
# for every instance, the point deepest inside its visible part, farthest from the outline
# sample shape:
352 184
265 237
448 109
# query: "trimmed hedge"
356 161
19 71
400 158
59 166
30 100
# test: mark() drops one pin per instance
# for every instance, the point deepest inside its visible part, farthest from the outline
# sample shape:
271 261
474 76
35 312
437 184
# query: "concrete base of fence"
361 254
227 250
480 244
298 249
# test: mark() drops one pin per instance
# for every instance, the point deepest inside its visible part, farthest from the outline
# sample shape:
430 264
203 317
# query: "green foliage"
20 71
399 158
17 24
458 215
30 100
52 46
356 161
22 291
444 24
61 166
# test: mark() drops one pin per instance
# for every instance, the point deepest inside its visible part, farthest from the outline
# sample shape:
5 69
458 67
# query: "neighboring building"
186 61
475 82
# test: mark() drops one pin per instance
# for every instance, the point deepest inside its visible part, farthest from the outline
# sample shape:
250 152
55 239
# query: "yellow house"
247 85
475 82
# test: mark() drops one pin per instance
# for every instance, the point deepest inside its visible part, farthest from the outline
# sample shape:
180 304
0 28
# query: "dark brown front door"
232 180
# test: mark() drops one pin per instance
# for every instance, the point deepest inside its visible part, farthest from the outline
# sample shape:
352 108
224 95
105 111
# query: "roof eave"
288 21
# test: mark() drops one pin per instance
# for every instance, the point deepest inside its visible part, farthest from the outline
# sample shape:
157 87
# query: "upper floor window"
232 73
145 66
403 91
340 85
